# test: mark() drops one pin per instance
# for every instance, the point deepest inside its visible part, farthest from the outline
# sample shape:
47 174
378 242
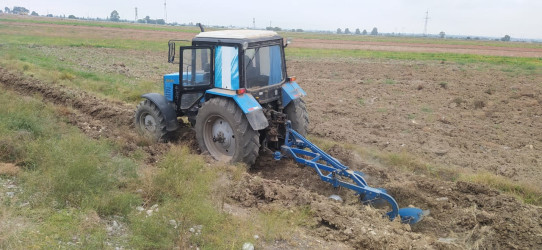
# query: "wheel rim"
147 122
219 138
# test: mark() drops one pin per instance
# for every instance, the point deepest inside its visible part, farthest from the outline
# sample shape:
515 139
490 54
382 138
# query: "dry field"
460 139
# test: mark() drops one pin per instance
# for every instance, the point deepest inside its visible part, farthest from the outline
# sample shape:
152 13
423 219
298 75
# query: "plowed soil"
463 215
466 116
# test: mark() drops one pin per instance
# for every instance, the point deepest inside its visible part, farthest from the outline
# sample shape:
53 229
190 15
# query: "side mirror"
171 52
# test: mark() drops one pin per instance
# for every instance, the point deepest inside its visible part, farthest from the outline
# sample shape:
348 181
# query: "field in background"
439 118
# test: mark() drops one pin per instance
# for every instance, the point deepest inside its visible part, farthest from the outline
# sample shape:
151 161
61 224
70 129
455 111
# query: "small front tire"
149 121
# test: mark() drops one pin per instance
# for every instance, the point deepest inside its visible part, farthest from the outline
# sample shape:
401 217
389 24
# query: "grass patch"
525 191
389 81
521 63
193 204
59 71
426 110
74 187
65 177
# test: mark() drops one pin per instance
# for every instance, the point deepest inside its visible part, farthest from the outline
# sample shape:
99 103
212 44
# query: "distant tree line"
347 31
148 20
17 10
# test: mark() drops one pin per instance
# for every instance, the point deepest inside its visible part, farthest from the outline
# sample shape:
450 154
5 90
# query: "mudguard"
290 92
166 108
248 104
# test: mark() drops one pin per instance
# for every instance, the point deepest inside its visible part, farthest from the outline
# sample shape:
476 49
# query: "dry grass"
9 169
526 191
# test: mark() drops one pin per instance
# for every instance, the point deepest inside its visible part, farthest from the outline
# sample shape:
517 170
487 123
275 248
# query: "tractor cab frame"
229 63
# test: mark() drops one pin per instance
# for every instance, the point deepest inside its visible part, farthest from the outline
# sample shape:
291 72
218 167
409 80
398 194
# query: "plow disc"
334 172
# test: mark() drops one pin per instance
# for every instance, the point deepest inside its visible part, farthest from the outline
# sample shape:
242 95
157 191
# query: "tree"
114 16
34 13
1 12
506 38
339 31
299 30
346 31
20 10
49 15
72 17
357 31
6 9
374 32
147 19
442 34
160 21
364 32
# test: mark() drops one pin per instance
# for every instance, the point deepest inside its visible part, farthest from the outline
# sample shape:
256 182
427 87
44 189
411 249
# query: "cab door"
195 73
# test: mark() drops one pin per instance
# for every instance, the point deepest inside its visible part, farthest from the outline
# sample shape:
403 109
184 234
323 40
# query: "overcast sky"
517 18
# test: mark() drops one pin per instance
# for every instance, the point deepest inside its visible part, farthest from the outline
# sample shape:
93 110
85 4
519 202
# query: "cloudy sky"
496 18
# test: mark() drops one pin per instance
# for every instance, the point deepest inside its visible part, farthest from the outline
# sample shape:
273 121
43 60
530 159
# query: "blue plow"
306 153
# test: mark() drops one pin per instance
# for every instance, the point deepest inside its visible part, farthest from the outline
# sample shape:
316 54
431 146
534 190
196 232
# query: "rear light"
241 91
291 79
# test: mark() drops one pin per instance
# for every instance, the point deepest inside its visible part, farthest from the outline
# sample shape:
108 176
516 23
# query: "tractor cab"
238 61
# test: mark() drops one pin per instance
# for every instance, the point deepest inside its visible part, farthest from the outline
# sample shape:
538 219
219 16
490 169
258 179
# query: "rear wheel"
149 121
223 131
298 115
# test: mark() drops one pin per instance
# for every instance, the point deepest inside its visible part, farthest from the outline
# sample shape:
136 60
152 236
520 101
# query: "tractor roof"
236 36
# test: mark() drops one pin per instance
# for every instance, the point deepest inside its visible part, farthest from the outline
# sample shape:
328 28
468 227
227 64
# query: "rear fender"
166 108
290 92
248 104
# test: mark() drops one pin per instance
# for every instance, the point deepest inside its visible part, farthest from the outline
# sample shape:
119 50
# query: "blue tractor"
233 87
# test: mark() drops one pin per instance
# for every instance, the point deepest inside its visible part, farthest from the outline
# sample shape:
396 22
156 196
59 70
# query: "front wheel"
223 131
149 121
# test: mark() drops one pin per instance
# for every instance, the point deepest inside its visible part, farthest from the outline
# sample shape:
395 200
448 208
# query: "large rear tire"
149 121
298 115
223 131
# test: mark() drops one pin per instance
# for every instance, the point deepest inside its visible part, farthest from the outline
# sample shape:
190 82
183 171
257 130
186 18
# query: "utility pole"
426 19
165 11
135 15
254 23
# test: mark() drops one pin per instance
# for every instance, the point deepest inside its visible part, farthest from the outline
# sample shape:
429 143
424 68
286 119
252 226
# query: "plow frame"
308 154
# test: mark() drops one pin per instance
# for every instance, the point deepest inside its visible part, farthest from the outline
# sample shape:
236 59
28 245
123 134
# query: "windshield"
263 66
